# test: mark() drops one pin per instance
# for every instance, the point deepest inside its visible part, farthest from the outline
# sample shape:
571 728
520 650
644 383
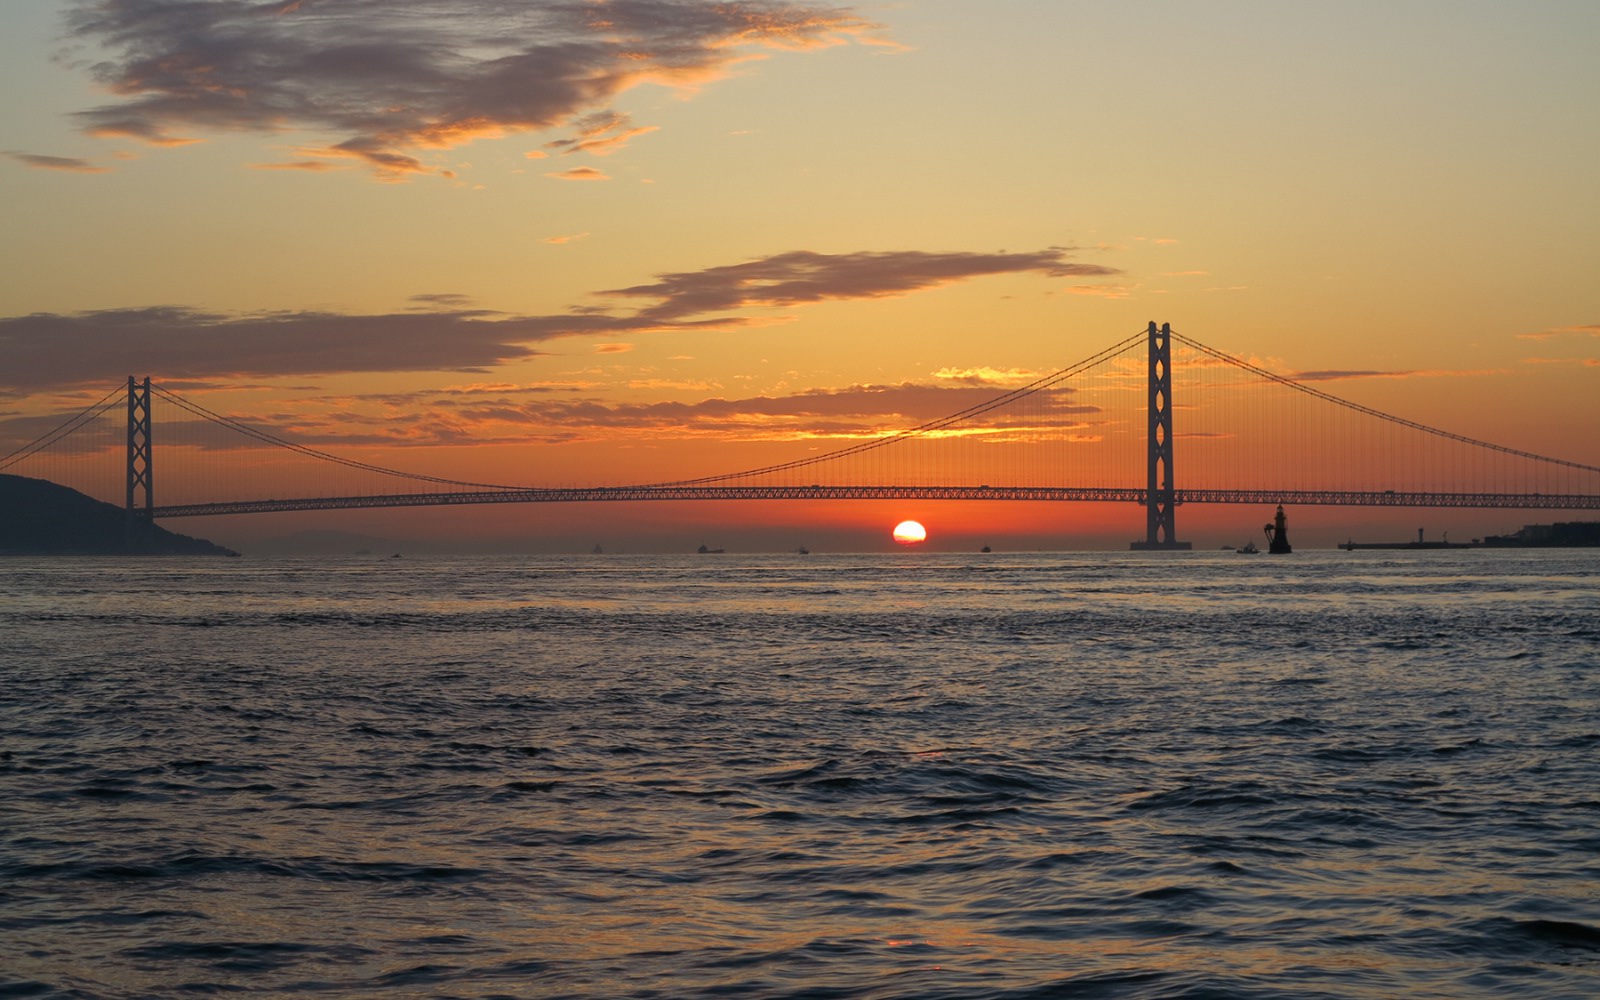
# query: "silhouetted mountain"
40 518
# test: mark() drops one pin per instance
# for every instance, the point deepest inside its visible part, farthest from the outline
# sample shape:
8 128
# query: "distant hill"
40 518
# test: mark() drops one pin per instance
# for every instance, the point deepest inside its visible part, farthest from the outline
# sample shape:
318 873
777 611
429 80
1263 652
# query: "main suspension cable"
91 412
1369 411
977 409
269 438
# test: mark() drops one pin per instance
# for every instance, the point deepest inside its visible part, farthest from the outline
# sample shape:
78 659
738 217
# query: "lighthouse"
1278 534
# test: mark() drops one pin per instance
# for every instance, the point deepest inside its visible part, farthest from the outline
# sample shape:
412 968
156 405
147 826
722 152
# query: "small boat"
1248 549
705 551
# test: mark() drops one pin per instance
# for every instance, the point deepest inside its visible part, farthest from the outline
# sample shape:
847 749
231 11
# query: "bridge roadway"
592 494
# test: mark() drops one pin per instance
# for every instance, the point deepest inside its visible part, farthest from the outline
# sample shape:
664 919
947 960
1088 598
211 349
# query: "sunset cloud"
444 332
1584 329
1101 291
580 174
47 349
70 164
440 300
600 134
1335 375
311 166
987 376
1579 362
804 277
1339 375
486 415
387 81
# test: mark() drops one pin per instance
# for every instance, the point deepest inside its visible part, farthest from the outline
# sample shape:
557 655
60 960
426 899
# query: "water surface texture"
901 776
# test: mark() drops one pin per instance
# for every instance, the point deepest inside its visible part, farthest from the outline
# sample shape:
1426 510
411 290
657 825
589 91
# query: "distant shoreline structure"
1561 535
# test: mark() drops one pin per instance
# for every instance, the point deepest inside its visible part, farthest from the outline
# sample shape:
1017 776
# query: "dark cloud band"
441 333
387 79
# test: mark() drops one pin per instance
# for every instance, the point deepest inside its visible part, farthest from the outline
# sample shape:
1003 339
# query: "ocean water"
1371 774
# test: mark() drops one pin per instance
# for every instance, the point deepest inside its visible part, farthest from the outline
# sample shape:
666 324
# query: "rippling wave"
834 777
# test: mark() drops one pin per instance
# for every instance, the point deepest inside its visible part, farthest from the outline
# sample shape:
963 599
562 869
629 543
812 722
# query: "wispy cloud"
569 238
444 332
1583 329
849 411
600 134
440 300
1335 375
803 276
310 166
1341 375
70 164
1102 291
580 174
489 415
986 376
387 81
1579 362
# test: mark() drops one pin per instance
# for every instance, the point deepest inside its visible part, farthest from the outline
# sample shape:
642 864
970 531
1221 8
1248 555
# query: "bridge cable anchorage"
80 419
1369 411
977 409
270 438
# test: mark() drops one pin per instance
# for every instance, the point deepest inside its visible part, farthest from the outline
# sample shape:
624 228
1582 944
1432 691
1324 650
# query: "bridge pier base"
1159 500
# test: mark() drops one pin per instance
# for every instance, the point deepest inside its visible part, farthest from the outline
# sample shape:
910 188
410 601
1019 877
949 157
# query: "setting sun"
910 533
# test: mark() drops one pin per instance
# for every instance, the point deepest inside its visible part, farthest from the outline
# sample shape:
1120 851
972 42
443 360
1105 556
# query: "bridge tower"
141 498
1159 505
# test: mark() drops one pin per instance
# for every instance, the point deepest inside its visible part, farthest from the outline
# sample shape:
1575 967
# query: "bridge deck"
1324 498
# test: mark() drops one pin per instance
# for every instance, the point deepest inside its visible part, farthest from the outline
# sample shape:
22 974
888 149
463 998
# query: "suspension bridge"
1105 429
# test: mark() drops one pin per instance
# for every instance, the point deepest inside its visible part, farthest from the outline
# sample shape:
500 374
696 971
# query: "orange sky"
636 241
